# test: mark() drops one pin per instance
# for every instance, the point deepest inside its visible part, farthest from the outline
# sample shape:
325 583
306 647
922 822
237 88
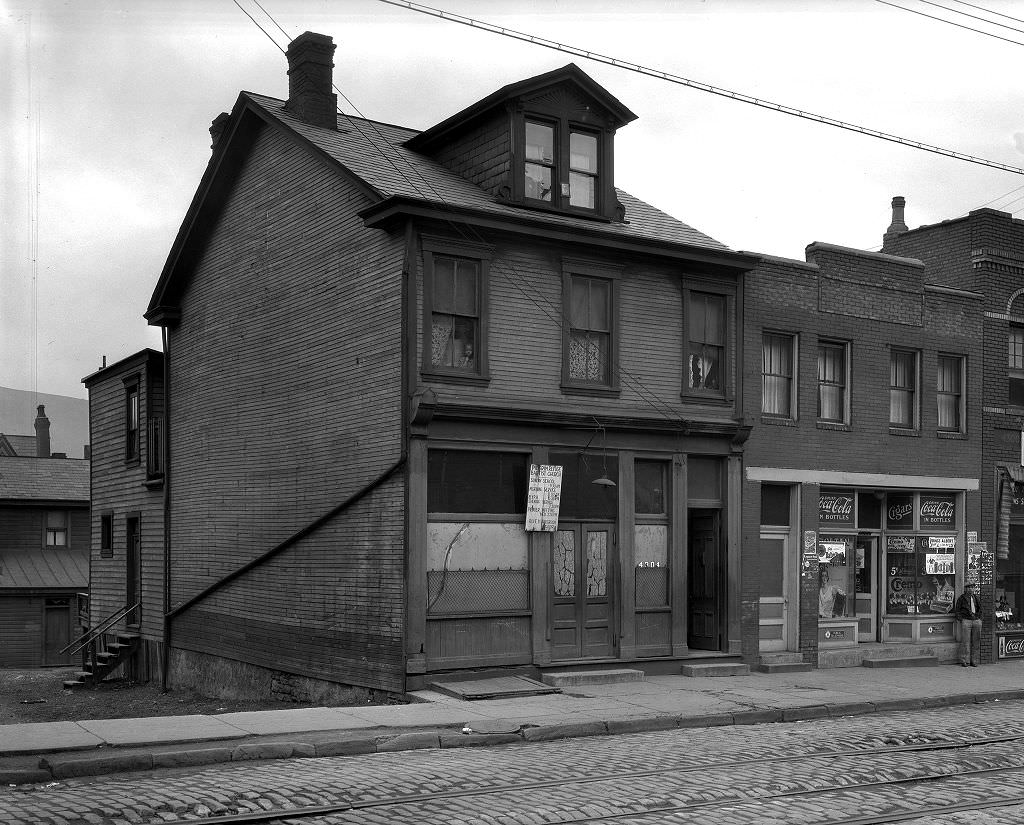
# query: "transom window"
832 382
777 370
903 389
705 342
950 393
561 165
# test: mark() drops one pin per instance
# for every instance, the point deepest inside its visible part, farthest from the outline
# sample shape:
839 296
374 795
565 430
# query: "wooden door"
704 581
866 573
582 591
56 631
133 570
774 564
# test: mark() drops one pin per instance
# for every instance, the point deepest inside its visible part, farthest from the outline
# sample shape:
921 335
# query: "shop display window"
1010 582
921 576
836 572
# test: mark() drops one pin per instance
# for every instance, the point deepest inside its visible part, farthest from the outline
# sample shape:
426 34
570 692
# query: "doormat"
500 687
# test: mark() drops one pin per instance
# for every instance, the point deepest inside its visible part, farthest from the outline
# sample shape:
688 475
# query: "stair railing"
87 641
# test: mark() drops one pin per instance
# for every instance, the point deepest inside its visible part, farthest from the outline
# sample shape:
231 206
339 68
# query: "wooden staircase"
102 663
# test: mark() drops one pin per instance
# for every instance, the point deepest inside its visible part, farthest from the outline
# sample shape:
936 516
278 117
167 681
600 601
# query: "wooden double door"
583 591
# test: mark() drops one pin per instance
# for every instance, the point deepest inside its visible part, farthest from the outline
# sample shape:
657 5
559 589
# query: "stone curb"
73 764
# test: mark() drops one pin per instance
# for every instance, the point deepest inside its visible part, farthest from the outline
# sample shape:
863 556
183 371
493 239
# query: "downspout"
165 652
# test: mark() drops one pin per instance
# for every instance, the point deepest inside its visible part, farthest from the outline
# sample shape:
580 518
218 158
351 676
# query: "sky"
105 109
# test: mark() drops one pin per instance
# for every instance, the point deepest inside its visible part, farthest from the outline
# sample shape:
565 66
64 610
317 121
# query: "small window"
589 342
1015 372
903 389
950 393
582 170
775 504
106 535
777 373
540 161
705 353
131 452
56 528
832 382
561 165
155 446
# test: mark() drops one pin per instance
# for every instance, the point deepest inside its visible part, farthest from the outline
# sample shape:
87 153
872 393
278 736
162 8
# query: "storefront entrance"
704 581
867 584
582 611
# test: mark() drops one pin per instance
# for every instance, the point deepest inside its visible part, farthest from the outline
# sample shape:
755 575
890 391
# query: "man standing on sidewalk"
968 613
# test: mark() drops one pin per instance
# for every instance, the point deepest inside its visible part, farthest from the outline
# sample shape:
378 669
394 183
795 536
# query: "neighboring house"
44 549
983 251
126 411
69 434
863 382
372 334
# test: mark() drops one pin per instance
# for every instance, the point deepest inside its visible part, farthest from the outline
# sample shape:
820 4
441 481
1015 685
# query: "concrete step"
783 667
711 669
780 657
592 677
902 661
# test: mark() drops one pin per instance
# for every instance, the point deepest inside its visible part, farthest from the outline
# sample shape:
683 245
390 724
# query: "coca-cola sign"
1011 647
938 511
836 508
899 512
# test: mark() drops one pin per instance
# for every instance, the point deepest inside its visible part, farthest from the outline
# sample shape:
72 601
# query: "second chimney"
310 85
898 225
42 433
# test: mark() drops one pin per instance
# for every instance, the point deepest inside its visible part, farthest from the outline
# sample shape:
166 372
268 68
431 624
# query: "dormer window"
561 165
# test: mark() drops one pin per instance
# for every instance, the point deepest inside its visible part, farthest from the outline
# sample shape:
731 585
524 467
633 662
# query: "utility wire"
704 87
972 16
988 11
944 20
468 232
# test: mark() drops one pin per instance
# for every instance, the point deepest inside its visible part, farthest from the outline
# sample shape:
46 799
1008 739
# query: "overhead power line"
958 25
695 84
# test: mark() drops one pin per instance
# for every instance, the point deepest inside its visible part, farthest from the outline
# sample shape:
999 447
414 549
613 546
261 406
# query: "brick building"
372 335
983 252
861 472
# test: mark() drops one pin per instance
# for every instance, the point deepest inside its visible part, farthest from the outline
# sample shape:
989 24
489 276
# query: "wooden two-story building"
373 333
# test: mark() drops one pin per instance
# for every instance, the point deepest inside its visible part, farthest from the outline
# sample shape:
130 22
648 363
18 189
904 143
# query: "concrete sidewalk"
56 750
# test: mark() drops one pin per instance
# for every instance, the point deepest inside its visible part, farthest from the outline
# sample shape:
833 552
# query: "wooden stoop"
114 655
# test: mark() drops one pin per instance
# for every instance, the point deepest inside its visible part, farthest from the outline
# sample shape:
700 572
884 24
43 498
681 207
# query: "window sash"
132 424
949 392
455 313
706 342
777 374
902 388
832 382
590 328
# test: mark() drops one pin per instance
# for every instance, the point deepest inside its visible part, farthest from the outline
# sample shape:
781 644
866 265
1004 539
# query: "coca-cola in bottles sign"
835 508
938 511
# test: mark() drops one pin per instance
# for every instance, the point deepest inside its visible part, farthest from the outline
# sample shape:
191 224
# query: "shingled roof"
38 480
22 445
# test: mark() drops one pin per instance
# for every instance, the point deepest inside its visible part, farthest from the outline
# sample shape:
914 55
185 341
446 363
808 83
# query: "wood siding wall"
21 526
119 490
284 382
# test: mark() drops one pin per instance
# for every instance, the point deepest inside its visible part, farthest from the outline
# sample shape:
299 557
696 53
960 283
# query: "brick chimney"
898 226
310 84
42 433
216 130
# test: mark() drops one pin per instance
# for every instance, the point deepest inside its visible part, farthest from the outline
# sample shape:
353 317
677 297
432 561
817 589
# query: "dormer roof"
605 105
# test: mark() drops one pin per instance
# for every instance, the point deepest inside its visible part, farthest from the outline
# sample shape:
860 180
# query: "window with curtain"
455 317
832 382
949 393
590 330
706 342
777 372
903 389
56 528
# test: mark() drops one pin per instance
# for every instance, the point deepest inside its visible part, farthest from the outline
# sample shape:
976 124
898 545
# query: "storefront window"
1010 582
836 571
581 497
921 576
465 481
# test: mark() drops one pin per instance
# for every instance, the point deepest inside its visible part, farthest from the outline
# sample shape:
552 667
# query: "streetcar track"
306 812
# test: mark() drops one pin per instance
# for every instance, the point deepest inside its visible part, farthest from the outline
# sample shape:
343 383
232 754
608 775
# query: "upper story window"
705 343
561 165
778 370
833 382
1015 367
132 418
589 331
56 528
455 310
903 394
949 393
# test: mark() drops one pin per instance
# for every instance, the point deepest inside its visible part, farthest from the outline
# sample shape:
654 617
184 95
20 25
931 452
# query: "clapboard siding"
21 630
119 489
284 381
524 342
